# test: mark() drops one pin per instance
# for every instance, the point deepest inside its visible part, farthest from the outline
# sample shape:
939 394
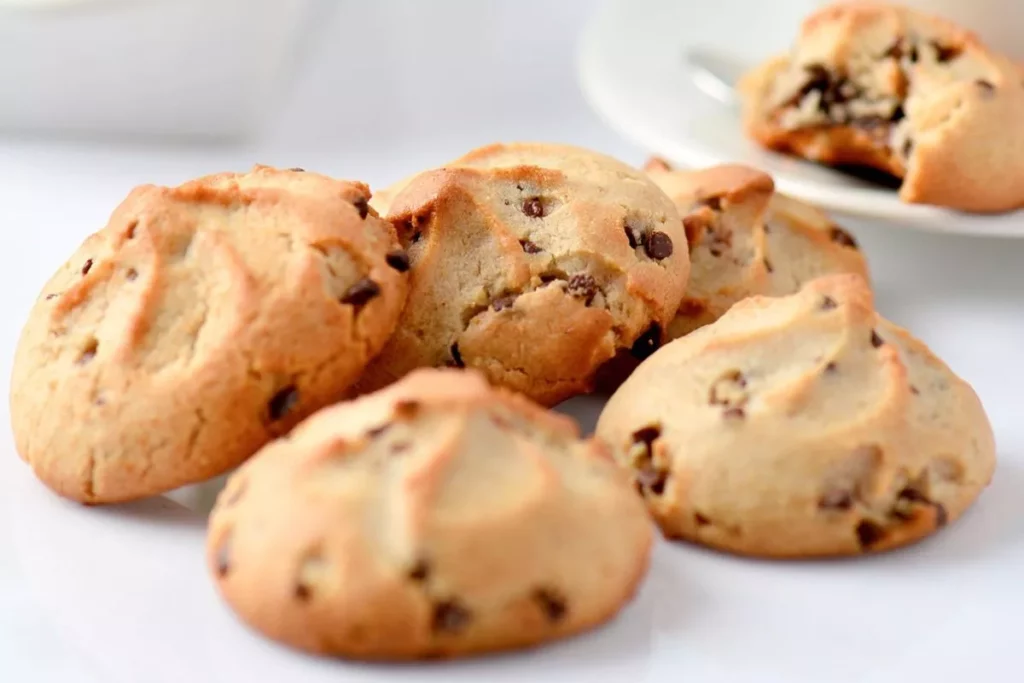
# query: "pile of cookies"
376 371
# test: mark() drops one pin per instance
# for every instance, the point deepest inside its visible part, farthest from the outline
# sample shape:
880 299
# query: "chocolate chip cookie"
801 426
438 517
745 239
876 85
200 323
535 264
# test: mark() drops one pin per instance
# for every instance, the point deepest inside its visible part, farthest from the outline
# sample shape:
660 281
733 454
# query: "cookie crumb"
361 292
869 534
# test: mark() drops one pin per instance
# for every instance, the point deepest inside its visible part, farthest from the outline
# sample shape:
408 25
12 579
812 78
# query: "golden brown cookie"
745 239
801 426
534 264
874 84
438 517
201 322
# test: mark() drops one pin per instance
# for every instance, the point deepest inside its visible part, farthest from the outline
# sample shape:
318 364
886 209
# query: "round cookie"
801 426
435 518
535 264
873 84
747 240
201 322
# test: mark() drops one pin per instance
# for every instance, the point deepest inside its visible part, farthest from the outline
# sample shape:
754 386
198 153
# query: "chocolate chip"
768 266
551 603
131 274
658 245
941 517
631 236
913 495
533 207
450 617
894 51
362 206
456 359
503 302
647 435
548 278
836 499
361 292
828 303
419 571
87 267
222 559
713 203
908 147
54 295
416 237
647 343
406 408
945 53
986 87
282 402
297 169
897 114
130 232
830 367
88 352
691 308
735 413
701 520
840 236
302 592
869 533
398 259
582 286
529 247
876 341
914 390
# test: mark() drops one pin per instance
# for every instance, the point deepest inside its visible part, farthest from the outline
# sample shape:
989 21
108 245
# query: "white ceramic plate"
634 73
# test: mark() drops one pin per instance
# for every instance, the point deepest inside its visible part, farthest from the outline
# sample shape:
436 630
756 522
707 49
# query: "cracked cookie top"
746 240
535 264
202 321
803 425
914 96
437 517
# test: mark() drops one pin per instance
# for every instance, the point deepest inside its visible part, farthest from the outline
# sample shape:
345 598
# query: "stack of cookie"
377 367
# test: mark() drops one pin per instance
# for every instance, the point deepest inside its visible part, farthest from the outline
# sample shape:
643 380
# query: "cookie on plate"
535 264
200 323
801 426
435 518
872 84
745 240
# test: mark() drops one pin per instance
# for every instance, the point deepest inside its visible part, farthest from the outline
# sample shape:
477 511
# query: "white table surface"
379 120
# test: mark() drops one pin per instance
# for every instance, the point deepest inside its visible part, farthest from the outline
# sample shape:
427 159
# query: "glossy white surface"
633 71
120 595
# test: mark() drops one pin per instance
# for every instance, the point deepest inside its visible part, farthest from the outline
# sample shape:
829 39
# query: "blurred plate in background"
634 72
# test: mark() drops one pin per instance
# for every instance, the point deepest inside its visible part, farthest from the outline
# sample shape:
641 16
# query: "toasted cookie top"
801 425
437 517
201 321
535 264
745 239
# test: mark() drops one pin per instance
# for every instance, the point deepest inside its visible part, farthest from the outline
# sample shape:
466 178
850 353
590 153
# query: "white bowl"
177 68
